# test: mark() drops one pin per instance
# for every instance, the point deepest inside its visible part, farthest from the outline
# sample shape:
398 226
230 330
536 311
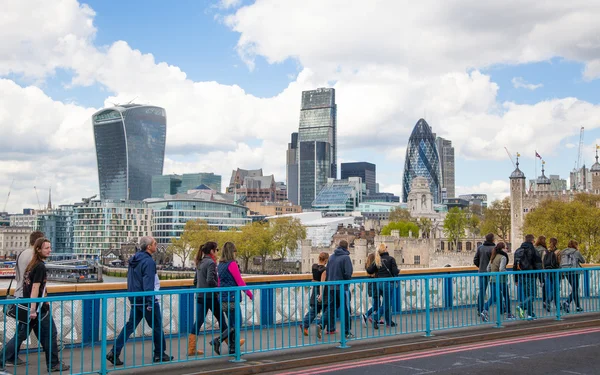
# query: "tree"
496 219
400 214
455 224
473 223
195 233
256 240
286 232
425 225
404 227
577 220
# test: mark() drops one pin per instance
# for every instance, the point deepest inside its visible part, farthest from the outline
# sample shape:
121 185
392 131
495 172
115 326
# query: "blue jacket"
339 267
140 277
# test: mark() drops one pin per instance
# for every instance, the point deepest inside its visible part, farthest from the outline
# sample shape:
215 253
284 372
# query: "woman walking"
316 299
372 292
206 277
384 267
572 258
541 249
498 262
229 276
550 262
34 286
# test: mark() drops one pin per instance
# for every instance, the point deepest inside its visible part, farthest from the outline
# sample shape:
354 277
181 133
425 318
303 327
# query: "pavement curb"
257 367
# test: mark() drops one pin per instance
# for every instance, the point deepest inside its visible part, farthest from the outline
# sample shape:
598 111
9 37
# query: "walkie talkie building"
130 149
422 159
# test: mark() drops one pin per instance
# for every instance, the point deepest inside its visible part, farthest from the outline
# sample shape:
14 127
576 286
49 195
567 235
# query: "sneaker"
349 336
305 330
548 307
163 358
520 312
510 316
319 331
370 320
375 325
60 367
566 306
579 309
529 317
364 320
533 316
110 357
332 332
216 345
392 324
484 316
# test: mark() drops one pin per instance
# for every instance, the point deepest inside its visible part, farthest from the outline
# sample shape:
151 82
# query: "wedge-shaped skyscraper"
422 159
130 149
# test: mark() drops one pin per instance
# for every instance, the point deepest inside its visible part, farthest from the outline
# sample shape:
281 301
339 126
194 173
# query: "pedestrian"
571 258
550 262
541 248
34 286
10 351
498 262
372 292
481 260
206 277
141 276
315 303
384 267
338 268
229 276
526 259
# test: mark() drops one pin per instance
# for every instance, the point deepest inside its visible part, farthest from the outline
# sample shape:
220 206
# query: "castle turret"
595 170
543 183
517 191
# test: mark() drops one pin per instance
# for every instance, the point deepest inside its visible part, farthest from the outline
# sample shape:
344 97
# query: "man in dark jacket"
140 278
526 283
481 260
339 267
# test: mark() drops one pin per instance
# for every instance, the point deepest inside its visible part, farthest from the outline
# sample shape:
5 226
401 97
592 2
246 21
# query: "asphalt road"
566 352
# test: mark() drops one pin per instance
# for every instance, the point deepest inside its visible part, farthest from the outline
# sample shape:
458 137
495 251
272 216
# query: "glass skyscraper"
318 126
446 154
366 171
422 159
291 171
130 149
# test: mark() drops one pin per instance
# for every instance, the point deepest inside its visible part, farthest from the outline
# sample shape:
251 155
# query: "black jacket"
388 268
206 276
483 255
532 256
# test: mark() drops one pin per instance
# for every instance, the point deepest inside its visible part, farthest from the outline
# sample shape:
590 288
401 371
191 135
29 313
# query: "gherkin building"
422 159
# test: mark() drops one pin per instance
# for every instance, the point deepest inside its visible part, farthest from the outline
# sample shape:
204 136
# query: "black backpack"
550 260
522 262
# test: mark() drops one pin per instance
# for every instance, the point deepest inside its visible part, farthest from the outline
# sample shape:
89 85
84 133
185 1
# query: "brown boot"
242 341
192 346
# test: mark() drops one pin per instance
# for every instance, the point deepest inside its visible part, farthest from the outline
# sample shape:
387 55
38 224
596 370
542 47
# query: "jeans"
573 278
483 285
44 330
333 303
526 292
311 314
551 285
376 303
504 297
154 319
209 301
385 289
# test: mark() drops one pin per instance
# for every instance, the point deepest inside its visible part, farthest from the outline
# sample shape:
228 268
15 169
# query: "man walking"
141 278
11 349
338 268
526 259
481 260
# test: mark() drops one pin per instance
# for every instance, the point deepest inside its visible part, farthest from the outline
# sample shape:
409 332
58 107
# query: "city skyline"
233 98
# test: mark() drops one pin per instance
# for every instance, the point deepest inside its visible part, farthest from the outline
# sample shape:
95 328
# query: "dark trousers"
573 278
333 304
504 297
526 291
44 330
210 301
153 318
550 285
385 290
483 285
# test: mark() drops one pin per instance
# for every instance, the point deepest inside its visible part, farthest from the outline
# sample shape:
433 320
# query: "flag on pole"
538 155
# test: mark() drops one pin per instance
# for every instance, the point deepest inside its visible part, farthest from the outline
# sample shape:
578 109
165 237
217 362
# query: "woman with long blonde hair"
384 266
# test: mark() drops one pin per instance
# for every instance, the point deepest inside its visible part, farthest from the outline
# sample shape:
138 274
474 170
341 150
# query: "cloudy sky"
485 74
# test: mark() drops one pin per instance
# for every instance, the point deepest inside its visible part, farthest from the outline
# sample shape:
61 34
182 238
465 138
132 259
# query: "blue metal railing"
86 326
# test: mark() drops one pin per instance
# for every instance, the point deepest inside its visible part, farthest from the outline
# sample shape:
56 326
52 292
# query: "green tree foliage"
496 219
578 220
454 225
286 232
425 225
473 223
404 227
400 214
195 233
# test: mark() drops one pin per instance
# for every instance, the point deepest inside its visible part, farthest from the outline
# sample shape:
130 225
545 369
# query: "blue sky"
386 75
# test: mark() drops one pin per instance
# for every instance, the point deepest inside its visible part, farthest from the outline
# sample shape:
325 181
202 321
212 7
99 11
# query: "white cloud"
520 83
497 189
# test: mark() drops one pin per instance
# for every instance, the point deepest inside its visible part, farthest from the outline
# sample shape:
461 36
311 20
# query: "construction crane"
510 157
38 198
8 196
579 184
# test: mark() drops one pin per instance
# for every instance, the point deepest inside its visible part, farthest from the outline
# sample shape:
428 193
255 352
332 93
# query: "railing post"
103 325
343 302
557 293
427 310
499 301
238 328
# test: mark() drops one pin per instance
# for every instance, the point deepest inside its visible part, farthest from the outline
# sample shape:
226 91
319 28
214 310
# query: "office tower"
366 171
291 171
422 160
446 155
130 149
317 143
